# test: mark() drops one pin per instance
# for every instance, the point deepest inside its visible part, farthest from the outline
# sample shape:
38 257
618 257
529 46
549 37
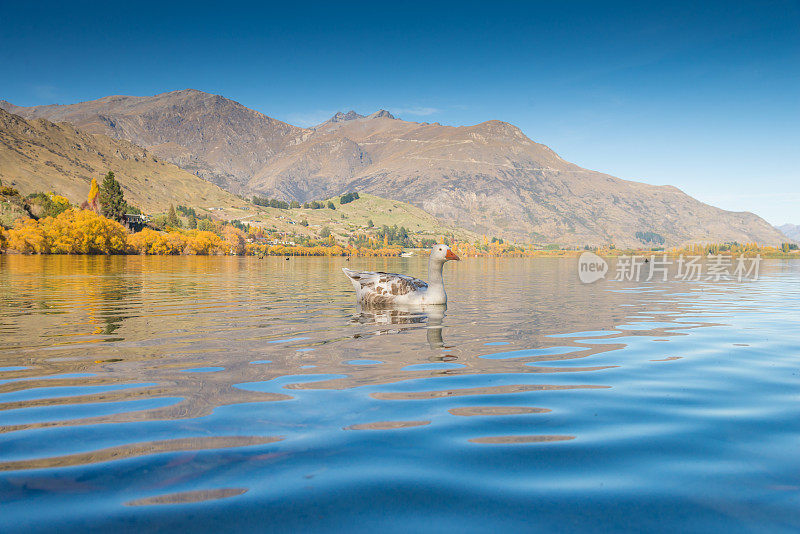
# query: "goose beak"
451 255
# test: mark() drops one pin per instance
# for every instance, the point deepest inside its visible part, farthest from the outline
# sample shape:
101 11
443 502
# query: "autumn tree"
94 190
71 232
205 225
234 240
112 201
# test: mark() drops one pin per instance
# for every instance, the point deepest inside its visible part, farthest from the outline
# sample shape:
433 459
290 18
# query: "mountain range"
792 231
488 178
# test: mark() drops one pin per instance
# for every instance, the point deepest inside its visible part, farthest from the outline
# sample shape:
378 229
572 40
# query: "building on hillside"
136 222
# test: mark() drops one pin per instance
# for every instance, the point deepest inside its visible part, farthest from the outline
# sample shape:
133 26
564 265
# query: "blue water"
237 394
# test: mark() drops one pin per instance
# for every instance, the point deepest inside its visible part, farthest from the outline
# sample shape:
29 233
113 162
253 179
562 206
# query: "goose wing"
388 285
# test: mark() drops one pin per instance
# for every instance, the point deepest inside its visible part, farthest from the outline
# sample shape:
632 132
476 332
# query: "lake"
211 394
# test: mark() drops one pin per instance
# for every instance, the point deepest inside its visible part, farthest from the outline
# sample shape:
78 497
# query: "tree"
94 190
205 225
294 204
112 201
348 197
191 221
331 206
172 218
325 232
370 224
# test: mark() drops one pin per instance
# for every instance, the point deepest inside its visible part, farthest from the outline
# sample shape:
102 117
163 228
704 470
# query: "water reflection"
247 376
191 329
432 315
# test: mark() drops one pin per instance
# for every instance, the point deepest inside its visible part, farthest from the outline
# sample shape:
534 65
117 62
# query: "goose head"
442 253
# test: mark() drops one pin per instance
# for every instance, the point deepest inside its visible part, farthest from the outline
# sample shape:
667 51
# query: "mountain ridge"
488 178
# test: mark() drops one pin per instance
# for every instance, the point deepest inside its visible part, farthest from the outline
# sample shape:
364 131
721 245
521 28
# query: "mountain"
38 155
792 231
488 178
218 139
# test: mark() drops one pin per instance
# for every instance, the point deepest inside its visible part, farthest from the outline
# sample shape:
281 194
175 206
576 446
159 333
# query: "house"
136 222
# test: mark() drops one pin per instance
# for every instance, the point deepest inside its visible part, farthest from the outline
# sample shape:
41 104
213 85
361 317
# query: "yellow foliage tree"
71 232
27 237
94 190
155 243
234 240
202 243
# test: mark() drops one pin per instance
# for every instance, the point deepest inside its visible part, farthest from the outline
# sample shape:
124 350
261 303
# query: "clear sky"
701 95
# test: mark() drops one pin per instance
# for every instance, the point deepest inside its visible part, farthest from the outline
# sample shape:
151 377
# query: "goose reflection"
432 315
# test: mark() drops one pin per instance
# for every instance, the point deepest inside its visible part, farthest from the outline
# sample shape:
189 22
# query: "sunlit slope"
354 217
38 155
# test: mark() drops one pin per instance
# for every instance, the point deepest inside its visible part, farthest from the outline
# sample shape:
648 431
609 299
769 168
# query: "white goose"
387 289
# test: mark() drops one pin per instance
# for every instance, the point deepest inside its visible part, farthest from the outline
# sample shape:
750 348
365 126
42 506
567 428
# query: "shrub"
650 237
71 232
202 243
150 241
43 205
348 197
205 225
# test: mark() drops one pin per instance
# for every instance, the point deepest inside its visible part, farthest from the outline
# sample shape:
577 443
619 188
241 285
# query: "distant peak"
352 115
349 116
381 113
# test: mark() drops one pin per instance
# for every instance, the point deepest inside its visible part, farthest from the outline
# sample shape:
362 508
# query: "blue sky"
704 97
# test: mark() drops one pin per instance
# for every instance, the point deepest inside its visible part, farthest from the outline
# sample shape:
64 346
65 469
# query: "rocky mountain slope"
38 155
488 178
213 137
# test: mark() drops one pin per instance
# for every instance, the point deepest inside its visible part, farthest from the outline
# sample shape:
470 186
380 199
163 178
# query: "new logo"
591 267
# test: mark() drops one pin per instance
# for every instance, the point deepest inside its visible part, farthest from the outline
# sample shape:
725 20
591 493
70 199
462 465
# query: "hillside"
488 178
218 139
38 155
354 217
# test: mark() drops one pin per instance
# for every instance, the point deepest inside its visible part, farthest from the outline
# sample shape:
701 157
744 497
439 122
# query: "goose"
388 289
